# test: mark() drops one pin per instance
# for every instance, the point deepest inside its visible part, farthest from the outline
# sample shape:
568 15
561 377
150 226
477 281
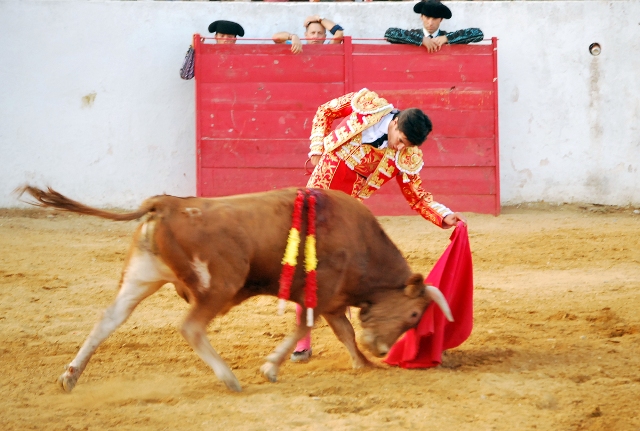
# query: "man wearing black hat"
432 12
226 31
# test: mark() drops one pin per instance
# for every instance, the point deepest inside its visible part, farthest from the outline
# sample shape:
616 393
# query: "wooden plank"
255 96
382 87
348 65
226 182
461 124
463 196
273 68
388 200
225 124
447 180
442 151
254 153
396 205
437 181
361 49
456 98
415 69
292 153
494 45
254 49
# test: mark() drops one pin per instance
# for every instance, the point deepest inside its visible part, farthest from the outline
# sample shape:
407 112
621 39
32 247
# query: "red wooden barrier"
255 103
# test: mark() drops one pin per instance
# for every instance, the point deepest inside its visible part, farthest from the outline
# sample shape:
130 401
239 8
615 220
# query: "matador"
373 143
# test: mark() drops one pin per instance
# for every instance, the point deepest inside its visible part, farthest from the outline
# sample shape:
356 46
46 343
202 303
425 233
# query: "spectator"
432 12
226 32
315 33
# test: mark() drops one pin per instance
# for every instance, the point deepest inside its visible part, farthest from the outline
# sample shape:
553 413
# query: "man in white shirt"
315 33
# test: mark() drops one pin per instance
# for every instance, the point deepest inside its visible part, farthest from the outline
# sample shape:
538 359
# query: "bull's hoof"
270 371
67 380
362 362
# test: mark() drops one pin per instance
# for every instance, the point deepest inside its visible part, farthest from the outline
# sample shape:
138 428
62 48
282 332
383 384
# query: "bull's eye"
414 314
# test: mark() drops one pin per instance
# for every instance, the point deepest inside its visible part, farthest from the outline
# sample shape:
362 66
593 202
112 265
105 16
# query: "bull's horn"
437 296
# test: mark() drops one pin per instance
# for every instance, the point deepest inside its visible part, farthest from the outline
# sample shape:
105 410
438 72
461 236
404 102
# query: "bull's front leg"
343 329
277 357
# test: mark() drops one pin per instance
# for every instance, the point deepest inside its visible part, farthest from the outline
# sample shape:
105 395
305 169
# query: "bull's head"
391 313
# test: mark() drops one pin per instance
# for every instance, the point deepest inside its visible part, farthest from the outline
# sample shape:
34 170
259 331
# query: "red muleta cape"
422 346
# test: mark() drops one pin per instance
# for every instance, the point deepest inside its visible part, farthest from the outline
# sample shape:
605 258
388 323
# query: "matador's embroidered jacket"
415 36
360 169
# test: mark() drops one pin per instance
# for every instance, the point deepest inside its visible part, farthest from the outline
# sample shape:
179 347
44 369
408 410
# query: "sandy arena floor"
556 342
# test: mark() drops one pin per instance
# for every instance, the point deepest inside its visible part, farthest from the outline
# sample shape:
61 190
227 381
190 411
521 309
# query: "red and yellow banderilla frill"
290 258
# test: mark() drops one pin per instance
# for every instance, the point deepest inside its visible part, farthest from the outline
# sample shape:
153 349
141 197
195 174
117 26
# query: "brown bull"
219 252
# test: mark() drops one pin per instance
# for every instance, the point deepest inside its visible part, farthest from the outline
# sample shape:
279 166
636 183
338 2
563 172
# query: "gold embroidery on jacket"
409 160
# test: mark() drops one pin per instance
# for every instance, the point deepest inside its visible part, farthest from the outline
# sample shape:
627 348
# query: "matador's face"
396 140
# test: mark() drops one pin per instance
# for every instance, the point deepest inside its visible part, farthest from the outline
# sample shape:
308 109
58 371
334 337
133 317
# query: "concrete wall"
92 104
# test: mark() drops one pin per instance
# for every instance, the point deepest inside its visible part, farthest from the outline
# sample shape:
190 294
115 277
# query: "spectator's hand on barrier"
452 220
431 44
440 40
296 45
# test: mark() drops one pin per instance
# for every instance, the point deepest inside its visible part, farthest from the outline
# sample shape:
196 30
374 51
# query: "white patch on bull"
145 267
146 230
202 269
193 212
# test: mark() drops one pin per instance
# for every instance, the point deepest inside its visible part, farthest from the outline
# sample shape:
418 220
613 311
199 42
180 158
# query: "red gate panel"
255 104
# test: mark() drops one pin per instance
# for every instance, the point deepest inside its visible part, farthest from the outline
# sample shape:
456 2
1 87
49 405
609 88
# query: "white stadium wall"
91 102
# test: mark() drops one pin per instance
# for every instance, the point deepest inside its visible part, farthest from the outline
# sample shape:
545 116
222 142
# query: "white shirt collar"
378 130
434 34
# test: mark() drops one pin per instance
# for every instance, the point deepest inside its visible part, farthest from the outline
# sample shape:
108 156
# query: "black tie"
379 141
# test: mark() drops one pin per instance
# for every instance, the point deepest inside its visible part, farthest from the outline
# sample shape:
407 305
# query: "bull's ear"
414 286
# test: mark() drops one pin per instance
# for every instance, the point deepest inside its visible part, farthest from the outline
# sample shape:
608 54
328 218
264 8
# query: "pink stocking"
305 343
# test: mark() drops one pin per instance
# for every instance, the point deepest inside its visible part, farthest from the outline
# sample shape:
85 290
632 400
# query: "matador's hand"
452 220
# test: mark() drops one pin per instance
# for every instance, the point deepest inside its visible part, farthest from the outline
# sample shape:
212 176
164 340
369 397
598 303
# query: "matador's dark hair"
415 125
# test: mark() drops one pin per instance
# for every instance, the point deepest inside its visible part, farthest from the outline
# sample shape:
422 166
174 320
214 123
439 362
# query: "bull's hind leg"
194 331
277 357
344 331
143 275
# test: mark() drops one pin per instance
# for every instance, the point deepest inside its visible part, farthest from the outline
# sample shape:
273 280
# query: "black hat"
432 8
226 27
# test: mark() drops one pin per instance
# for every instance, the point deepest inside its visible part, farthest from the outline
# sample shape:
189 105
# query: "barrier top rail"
268 39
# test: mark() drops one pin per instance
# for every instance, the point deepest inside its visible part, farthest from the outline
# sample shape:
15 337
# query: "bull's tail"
53 199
